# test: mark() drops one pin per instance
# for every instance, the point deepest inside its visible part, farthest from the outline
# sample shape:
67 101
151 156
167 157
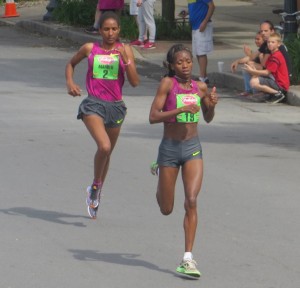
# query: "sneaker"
276 98
92 212
91 30
154 168
149 45
93 196
137 43
188 268
205 80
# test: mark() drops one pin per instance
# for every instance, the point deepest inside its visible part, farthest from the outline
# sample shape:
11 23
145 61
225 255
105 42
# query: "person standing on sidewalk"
104 6
134 11
200 13
146 21
177 104
103 111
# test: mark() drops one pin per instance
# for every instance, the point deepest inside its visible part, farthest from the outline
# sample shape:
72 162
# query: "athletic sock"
188 256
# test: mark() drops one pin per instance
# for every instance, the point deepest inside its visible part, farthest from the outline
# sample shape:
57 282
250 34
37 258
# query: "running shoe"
276 98
149 45
93 196
188 268
137 43
154 168
92 212
91 30
205 80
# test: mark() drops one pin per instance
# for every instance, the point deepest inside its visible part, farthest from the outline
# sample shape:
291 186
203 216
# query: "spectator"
274 79
103 6
200 13
146 21
133 11
253 58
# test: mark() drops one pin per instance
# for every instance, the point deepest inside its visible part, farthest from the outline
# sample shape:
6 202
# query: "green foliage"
169 30
82 12
293 46
75 12
129 29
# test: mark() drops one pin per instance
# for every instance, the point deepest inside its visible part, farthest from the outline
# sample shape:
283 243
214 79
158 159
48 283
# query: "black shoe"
91 30
276 98
205 80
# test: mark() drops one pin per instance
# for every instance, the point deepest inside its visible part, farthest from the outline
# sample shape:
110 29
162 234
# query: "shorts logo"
196 153
119 121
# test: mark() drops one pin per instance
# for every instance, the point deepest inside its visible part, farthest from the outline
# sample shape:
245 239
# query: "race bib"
184 100
106 66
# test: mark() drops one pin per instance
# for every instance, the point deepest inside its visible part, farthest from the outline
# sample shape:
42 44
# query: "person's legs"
105 140
148 16
202 43
202 61
141 24
166 188
192 174
94 29
264 84
97 18
247 77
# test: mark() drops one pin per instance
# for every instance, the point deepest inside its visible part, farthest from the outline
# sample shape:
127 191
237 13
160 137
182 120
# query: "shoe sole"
190 276
92 212
150 48
278 100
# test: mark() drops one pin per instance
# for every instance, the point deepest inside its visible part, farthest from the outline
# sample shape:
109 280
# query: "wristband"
128 63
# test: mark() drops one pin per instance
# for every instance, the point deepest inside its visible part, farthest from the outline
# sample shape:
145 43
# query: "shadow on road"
127 259
46 215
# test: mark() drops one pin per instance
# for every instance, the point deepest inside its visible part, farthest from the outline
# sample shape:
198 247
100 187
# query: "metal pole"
50 7
290 23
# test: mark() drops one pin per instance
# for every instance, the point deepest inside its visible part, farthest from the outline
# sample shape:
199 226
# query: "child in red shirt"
274 79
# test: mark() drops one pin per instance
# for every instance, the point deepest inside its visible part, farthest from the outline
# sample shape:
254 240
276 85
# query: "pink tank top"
111 4
171 101
105 75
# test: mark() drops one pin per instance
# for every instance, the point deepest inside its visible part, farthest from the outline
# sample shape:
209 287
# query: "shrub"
293 46
75 12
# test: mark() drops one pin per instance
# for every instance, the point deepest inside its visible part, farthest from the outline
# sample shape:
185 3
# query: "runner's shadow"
46 215
127 259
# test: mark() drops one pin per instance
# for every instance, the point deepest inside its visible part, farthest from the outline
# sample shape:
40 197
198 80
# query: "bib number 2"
106 67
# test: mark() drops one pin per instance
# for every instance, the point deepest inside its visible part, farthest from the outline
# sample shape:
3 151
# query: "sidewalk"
235 24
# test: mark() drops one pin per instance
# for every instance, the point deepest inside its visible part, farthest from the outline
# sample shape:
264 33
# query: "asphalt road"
249 231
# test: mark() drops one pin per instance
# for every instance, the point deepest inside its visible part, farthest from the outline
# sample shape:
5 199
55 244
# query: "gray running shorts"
268 81
172 153
112 113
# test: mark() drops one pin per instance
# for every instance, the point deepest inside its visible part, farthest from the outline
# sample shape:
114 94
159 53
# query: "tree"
168 10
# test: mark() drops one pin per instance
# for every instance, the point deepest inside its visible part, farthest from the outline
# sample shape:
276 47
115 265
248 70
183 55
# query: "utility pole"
290 23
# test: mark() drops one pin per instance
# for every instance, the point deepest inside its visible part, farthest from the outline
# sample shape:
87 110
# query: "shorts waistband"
104 101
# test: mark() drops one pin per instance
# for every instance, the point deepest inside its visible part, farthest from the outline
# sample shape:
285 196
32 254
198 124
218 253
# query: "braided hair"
171 58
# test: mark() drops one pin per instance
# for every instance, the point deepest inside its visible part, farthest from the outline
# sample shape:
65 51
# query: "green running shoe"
188 268
154 168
